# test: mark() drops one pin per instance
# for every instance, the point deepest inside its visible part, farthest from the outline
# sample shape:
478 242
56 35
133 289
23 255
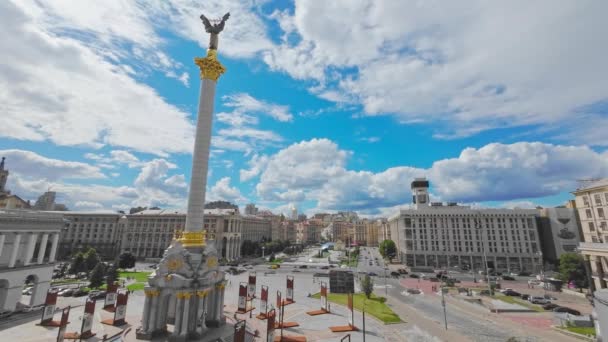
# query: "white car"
538 300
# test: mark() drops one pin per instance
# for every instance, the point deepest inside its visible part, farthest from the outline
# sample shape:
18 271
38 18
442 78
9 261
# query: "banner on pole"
351 314
65 314
264 300
290 290
270 325
324 296
49 306
121 308
242 304
110 299
251 285
87 319
239 331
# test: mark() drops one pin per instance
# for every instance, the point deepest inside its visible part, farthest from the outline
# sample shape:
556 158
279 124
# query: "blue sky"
324 106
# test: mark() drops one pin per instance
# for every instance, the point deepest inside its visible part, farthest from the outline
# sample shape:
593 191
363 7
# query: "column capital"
211 68
152 293
183 295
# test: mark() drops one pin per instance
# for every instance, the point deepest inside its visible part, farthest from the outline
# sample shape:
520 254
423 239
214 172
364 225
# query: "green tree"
367 285
126 260
91 259
96 276
387 249
77 264
112 273
572 268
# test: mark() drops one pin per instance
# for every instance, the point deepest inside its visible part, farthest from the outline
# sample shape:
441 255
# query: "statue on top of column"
214 29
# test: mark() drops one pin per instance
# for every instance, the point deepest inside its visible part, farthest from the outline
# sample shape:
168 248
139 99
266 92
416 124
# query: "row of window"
600 213
597 198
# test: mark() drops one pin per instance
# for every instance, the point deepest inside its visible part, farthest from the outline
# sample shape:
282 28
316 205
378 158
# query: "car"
303 266
324 267
524 274
525 296
296 270
414 275
80 293
402 271
372 274
511 293
538 300
97 294
434 280
273 267
549 297
550 306
66 292
506 277
567 310
395 274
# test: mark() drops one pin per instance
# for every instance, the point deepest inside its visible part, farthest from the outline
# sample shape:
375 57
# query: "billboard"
270 325
242 304
264 300
290 289
87 318
49 306
251 285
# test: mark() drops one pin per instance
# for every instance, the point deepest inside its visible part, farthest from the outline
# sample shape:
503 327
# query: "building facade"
371 232
28 247
438 236
591 203
559 232
254 228
99 230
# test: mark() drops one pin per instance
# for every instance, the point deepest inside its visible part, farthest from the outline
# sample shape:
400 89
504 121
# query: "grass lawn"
136 286
276 261
581 330
374 306
515 300
138 276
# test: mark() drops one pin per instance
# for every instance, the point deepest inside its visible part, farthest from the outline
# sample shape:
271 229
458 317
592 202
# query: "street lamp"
263 248
485 257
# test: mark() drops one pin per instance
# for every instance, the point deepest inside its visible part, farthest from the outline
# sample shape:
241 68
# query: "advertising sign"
65 314
270 325
49 306
239 331
290 288
87 318
242 305
324 296
264 300
251 285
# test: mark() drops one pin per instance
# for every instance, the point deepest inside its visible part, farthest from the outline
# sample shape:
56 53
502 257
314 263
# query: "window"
598 199
591 227
588 213
600 212
603 225
586 201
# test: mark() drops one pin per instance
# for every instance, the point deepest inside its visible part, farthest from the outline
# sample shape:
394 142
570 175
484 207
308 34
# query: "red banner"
251 285
242 305
264 300
351 315
49 306
239 331
270 324
290 288
110 298
324 296
121 309
87 318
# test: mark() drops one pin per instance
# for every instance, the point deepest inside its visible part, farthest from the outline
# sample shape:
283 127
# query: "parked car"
524 274
549 297
525 296
324 267
402 271
372 274
395 274
567 310
506 277
303 266
66 292
434 280
538 300
511 293
414 275
550 306
97 294
80 292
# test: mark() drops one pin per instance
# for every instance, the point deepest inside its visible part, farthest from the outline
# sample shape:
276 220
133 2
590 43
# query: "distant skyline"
324 106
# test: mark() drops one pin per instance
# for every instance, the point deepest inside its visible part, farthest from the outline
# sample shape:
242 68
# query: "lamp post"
485 257
263 248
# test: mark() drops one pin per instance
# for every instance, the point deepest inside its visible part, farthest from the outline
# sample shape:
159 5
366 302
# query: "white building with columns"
28 247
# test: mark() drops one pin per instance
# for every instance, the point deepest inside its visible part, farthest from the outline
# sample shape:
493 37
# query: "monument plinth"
185 295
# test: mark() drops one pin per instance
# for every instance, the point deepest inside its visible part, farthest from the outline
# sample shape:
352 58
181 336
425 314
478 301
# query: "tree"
96 276
77 264
388 250
367 285
126 260
112 274
572 268
91 259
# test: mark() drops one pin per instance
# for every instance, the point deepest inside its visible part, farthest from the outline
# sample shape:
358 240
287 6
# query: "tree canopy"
96 277
572 268
388 249
126 260
367 286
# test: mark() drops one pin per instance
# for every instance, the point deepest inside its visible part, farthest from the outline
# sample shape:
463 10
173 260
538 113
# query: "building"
99 230
28 247
309 231
250 209
3 178
8 200
358 232
591 202
438 236
254 228
384 231
558 230
342 231
371 232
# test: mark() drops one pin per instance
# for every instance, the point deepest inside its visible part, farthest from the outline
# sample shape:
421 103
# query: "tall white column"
2 239
185 314
146 316
179 308
42 249
202 300
200 157
54 244
153 312
15 250
29 251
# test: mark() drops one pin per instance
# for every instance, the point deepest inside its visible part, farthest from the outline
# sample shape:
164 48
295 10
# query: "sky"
326 105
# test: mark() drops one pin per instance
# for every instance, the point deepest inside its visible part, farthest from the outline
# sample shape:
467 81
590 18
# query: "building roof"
592 185
173 212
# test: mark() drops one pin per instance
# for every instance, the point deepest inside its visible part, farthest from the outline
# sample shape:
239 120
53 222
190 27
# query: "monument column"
185 314
29 251
145 319
201 314
179 308
42 248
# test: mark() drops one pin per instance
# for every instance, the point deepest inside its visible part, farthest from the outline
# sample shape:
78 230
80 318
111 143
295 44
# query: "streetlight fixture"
263 248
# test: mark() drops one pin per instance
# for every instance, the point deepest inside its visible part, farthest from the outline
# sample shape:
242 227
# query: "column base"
149 335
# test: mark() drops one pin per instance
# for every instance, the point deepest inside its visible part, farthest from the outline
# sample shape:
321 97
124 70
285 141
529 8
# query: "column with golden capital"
210 69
